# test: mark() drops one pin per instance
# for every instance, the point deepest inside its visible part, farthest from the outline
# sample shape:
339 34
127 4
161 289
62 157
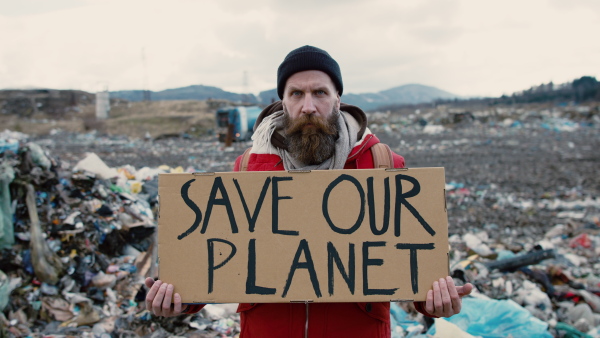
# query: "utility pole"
145 89
102 103
245 85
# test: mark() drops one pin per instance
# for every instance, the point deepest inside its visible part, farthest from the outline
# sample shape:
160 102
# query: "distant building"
102 105
26 102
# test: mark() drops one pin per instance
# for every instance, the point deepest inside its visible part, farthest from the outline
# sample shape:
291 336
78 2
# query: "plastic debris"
47 266
496 318
93 164
523 206
515 262
7 175
446 329
569 331
477 245
581 240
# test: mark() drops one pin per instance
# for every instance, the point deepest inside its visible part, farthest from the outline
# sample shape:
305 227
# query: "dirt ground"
520 161
134 119
510 178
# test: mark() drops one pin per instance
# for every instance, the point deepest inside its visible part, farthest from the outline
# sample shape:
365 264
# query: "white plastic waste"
477 245
92 163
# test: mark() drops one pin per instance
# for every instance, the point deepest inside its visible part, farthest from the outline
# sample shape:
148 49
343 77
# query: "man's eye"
296 93
320 92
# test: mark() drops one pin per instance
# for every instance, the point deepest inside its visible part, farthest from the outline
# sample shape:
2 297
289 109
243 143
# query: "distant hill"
268 96
195 92
406 94
583 89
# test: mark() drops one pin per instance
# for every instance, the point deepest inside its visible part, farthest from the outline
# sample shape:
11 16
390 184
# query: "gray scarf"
348 129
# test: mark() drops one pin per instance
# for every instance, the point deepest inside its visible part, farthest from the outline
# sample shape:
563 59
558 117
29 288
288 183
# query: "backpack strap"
245 159
382 156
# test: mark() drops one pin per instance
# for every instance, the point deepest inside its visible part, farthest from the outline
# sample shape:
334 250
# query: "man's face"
310 92
311 106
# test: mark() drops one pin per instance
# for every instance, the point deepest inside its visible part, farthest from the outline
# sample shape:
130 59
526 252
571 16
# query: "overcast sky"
466 47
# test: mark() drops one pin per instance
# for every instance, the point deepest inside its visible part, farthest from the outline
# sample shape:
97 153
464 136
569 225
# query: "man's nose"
308 106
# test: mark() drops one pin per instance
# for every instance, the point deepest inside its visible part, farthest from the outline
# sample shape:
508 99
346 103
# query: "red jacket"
324 319
320 319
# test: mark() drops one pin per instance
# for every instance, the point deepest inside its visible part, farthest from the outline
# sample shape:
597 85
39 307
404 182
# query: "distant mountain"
406 94
195 92
268 96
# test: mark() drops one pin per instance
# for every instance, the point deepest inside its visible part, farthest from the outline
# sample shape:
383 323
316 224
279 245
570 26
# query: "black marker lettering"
261 198
414 268
224 200
401 199
333 255
325 208
186 198
211 259
275 210
374 262
296 264
251 287
386 207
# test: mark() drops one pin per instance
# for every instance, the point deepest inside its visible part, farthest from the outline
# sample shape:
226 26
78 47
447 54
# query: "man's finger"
151 295
166 304
177 300
157 304
149 282
429 302
446 302
437 299
454 297
464 290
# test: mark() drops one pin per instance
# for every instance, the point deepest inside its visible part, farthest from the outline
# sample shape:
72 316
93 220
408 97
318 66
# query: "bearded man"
310 129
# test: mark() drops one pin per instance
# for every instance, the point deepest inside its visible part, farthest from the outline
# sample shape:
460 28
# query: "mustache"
296 126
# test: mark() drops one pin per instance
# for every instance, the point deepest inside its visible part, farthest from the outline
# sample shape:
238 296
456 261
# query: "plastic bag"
4 290
38 156
491 318
7 237
94 164
402 327
9 145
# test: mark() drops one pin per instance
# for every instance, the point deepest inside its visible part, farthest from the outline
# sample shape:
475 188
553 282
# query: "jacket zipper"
306 324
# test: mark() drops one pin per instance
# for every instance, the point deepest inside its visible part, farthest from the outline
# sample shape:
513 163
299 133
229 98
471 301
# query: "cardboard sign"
320 236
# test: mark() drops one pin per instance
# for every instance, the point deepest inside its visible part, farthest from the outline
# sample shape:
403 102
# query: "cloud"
464 46
29 7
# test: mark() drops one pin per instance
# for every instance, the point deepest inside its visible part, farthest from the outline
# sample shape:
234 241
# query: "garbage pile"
77 232
76 244
192 154
524 217
530 281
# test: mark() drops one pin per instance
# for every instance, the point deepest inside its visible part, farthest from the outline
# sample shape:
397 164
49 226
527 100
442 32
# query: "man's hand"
158 299
445 299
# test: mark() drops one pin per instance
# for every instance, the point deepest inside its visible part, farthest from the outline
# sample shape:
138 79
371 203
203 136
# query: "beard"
311 139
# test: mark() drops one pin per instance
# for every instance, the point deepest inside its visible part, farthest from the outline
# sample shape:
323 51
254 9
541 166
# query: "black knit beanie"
308 58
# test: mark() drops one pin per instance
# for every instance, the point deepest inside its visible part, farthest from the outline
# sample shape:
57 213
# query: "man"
311 129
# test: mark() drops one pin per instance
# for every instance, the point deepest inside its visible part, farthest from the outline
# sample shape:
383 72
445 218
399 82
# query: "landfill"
78 226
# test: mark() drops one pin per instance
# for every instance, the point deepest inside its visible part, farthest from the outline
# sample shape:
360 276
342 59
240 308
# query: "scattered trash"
515 262
78 218
496 318
7 175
